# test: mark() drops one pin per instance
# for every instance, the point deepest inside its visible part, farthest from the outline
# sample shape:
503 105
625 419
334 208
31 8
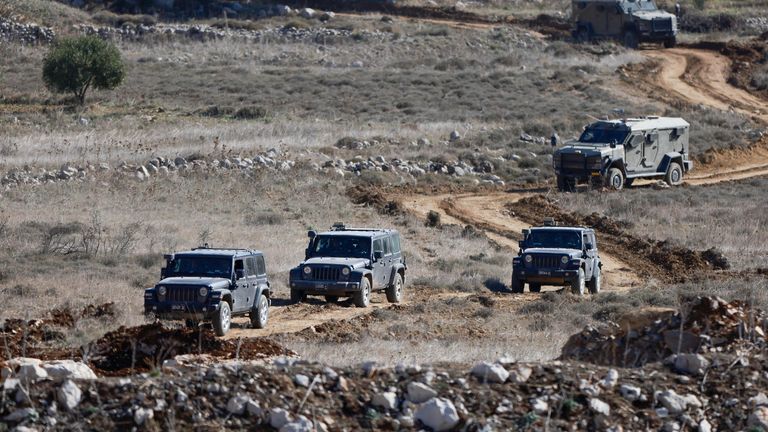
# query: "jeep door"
591 252
380 265
240 293
262 283
252 267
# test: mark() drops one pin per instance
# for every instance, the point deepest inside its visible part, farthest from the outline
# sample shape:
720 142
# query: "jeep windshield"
201 266
341 247
554 239
603 135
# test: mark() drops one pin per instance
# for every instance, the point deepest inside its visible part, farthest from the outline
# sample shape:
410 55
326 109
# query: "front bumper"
181 311
313 287
546 276
656 36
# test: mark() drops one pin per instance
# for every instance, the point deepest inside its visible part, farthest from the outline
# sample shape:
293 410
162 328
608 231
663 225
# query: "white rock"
69 395
455 135
386 400
759 418
301 380
672 401
490 372
630 392
671 426
704 426
279 417
61 369
307 13
21 414
302 424
438 414
520 374
540 406
253 408
420 393
600 407
31 372
143 415
691 364
758 400
236 404
610 379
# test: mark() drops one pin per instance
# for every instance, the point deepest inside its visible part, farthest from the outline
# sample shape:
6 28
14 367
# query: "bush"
74 65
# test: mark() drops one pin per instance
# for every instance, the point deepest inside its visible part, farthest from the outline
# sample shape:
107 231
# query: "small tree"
74 65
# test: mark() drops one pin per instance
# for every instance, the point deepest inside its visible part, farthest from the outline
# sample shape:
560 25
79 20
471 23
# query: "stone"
520 374
672 401
525 137
143 415
69 395
671 426
691 364
236 404
611 379
759 418
302 424
179 161
62 369
31 372
540 406
455 135
420 393
357 64
253 408
307 13
459 171
599 407
422 142
758 400
704 426
279 417
630 392
490 372
386 400
438 414
301 380
21 414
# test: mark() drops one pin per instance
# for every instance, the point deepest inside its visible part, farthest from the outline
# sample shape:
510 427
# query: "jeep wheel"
260 313
362 298
674 175
517 286
222 320
578 286
332 299
630 39
534 288
614 179
395 292
670 42
595 282
298 296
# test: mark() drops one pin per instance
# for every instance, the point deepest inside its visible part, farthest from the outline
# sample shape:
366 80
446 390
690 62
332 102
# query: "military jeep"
631 21
350 262
614 153
560 256
212 284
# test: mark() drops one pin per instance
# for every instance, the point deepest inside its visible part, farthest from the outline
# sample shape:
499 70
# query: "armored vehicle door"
614 19
650 151
633 153
596 14
379 265
240 293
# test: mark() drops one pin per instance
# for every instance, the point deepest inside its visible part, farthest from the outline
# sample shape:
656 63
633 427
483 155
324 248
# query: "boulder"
302 424
143 415
691 364
520 374
455 135
611 379
599 407
301 380
630 392
31 372
439 414
759 418
307 13
236 404
540 406
69 395
386 400
61 369
253 408
279 417
420 393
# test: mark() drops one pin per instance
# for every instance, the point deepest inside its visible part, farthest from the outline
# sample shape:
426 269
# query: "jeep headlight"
345 271
564 259
161 290
203 292
528 258
307 270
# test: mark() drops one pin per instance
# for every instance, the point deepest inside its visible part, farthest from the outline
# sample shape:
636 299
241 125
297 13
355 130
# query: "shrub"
74 65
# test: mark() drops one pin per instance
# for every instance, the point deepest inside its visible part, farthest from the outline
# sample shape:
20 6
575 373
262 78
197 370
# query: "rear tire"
670 42
517 286
395 292
534 288
222 320
332 299
298 296
578 286
596 282
630 39
674 175
362 298
260 312
615 179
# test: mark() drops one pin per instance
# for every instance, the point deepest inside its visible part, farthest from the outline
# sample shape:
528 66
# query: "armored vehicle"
553 255
350 262
212 284
615 152
631 21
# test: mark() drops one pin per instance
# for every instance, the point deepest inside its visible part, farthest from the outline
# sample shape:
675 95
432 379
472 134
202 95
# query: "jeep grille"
182 294
326 273
662 25
546 261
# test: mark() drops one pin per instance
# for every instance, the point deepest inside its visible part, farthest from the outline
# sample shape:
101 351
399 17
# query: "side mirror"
306 253
521 245
239 274
377 255
311 234
588 246
163 272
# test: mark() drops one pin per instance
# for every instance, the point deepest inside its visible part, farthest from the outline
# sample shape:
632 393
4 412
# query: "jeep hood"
194 280
351 262
651 15
573 253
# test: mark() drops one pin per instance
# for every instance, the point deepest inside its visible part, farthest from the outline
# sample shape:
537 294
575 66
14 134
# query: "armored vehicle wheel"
614 179
260 313
362 298
395 292
670 43
535 288
517 285
298 296
332 299
578 286
674 175
630 39
222 320
566 184
595 282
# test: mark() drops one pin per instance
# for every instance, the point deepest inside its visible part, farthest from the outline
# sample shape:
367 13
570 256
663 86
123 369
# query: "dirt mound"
67 318
338 331
677 264
375 199
708 324
144 348
554 27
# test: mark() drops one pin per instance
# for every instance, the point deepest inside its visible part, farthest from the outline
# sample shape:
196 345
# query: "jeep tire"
578 286
630 39
670 42
614 179
596 281
362 298
395 291
222 319
260 312
674 175
517 286
298 296
331 299
534 287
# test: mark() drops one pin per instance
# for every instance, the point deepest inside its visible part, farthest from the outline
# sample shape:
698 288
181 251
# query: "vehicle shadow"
497 286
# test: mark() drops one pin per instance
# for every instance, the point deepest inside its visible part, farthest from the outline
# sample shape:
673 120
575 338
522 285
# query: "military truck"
207 284
350 262
630 21
560 256
613 153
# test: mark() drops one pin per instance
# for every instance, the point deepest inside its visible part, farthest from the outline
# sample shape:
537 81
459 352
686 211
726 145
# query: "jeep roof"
204 251
561 228
338 229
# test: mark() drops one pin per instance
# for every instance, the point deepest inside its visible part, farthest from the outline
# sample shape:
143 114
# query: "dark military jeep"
350 262
552 255
212 284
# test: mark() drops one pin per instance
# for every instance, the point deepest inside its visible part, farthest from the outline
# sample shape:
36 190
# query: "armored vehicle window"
341 246
261 268
250 264
565 239
395 243
603 135
201 266
636 140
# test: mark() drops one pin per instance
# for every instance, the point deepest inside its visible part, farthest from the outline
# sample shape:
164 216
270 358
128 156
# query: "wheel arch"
668 159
